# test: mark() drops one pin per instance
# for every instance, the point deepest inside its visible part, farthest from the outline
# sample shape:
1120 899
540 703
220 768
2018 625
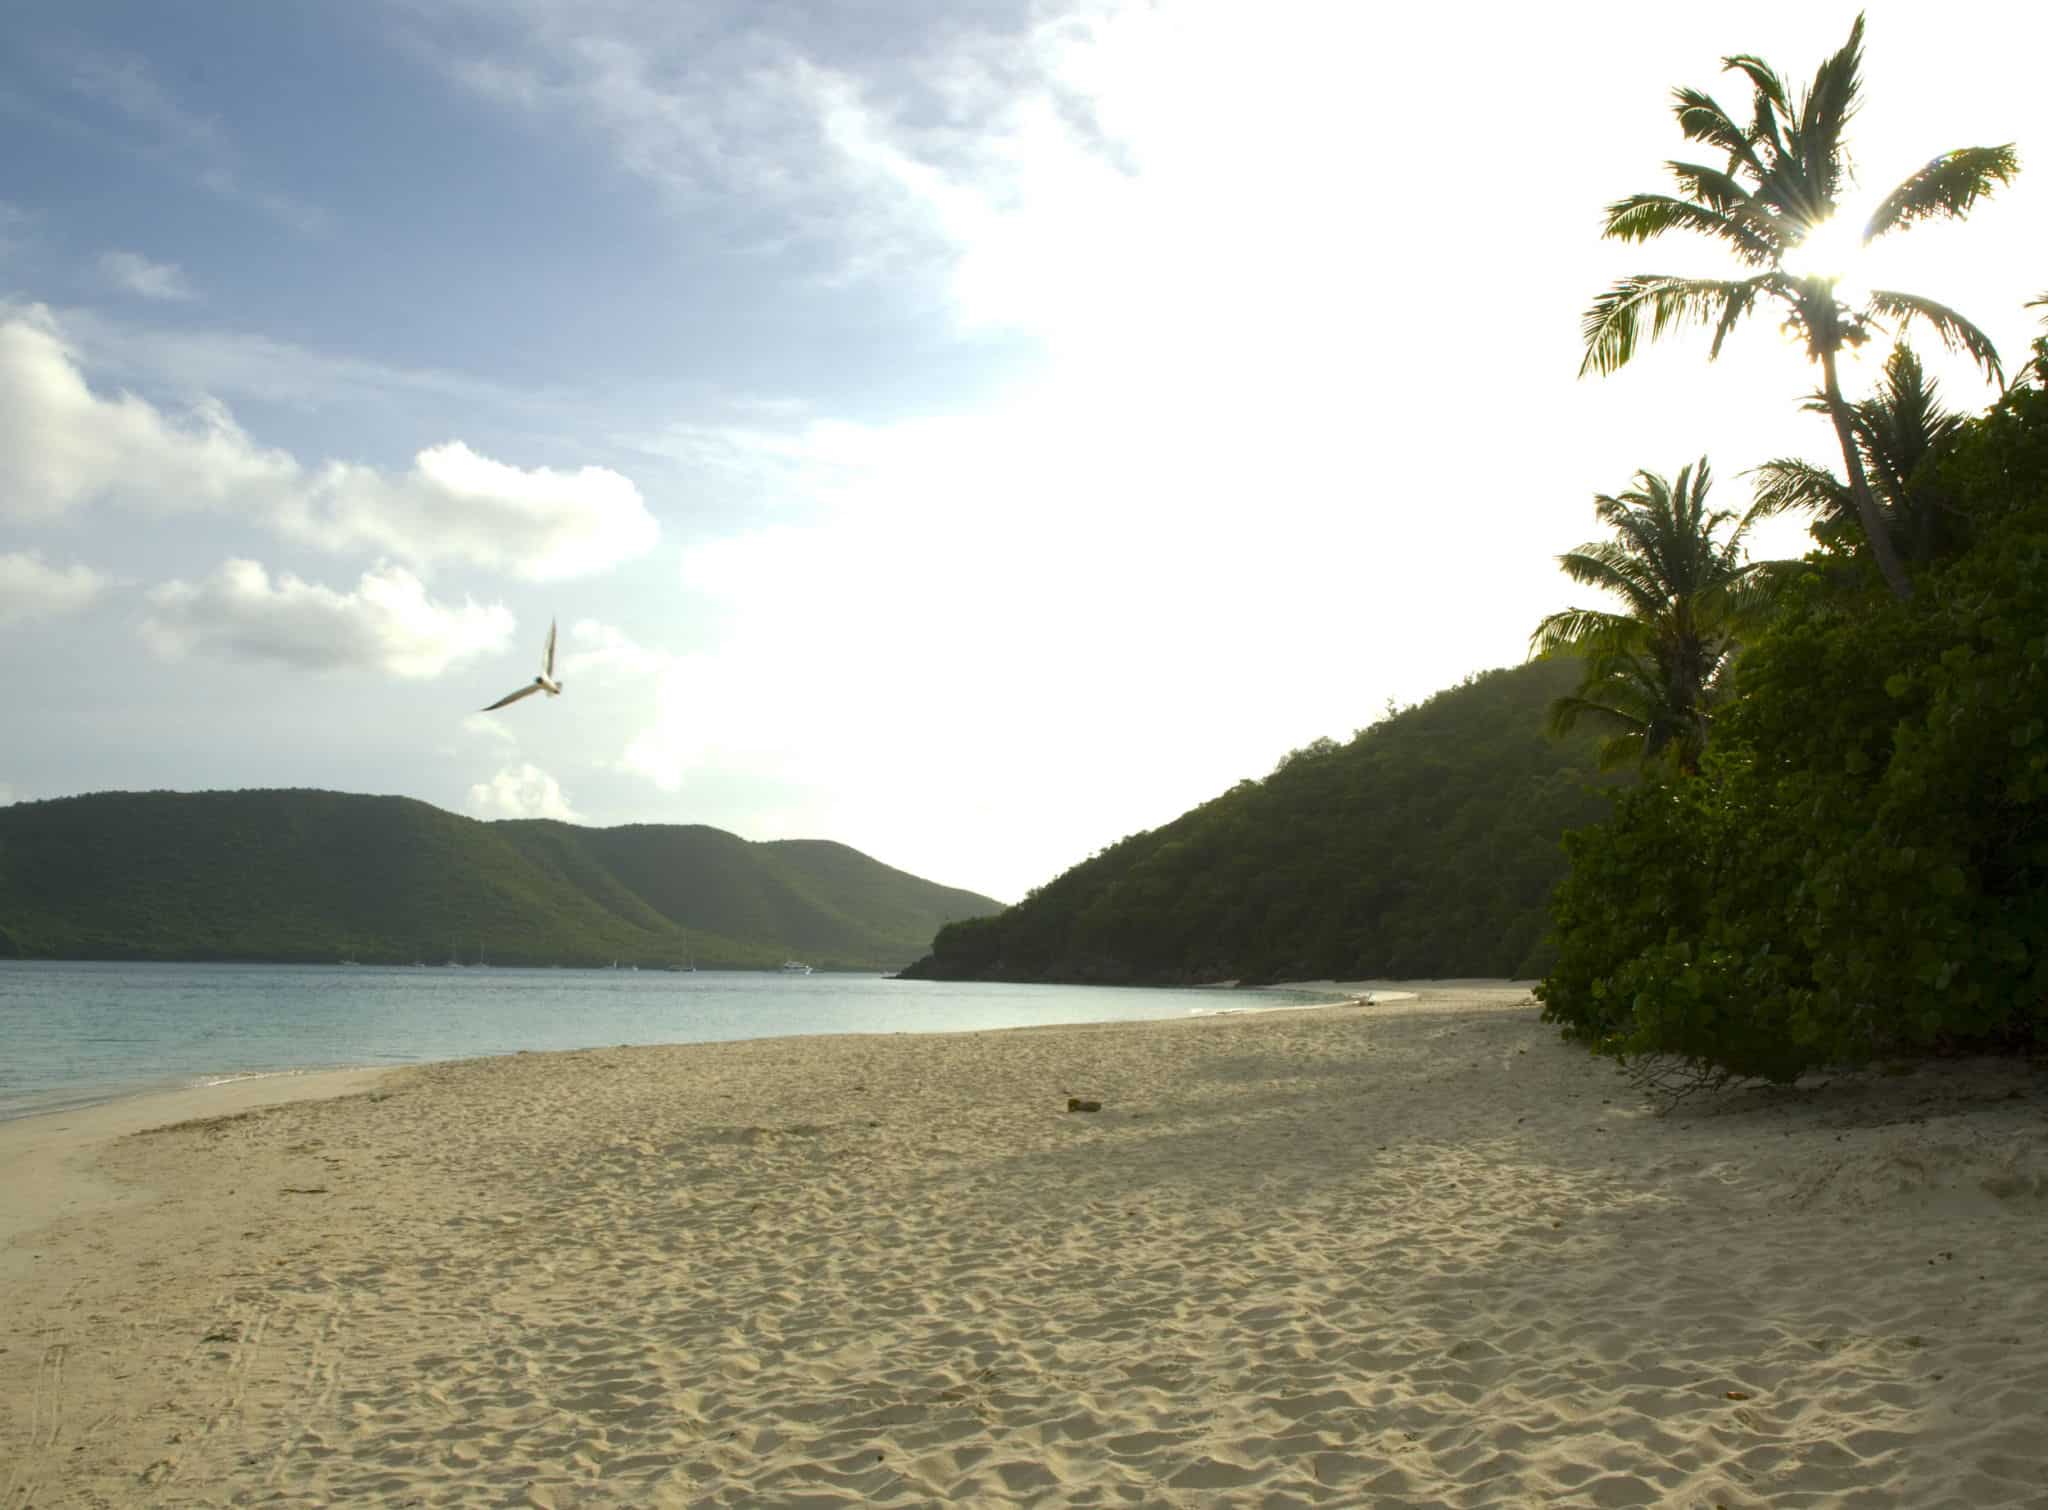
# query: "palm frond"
1738 304
1789 485
1763 78
1654 670
1824 113
1745 602
1626 695
1957 333
1566 712
1702 119
1642 216
1614 568
1903 423
1615 323
1582 632
1944 189
1710 186
1768 99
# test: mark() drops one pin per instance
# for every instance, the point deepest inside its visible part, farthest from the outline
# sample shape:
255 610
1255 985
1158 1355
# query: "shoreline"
45 1156
1417 1252
42 1160
79 1098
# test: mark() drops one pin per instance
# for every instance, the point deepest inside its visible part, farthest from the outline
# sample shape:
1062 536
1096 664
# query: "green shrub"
1862 866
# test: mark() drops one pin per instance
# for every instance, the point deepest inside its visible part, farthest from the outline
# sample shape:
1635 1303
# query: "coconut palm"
1654 669
1786 170
1897 431
2036 369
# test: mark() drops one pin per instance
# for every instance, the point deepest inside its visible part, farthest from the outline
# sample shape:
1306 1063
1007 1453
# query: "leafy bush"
1862 866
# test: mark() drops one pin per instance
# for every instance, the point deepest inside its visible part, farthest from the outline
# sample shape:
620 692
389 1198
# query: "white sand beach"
1412 1253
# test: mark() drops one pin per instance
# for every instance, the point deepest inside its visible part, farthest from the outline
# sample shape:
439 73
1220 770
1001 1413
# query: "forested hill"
1427 846
310 875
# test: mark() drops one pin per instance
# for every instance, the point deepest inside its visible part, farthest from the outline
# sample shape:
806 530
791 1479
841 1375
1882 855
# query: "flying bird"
545 682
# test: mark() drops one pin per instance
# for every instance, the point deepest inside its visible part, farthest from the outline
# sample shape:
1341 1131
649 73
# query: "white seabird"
545 682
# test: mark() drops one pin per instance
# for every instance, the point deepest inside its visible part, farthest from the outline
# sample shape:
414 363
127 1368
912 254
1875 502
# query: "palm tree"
2036 369
1785 173
1897 431
1654 671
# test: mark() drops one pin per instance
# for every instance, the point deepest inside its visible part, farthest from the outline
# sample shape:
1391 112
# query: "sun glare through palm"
1835 253
1830 251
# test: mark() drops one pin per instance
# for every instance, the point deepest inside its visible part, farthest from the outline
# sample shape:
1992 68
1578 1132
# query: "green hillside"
308 875
1427 846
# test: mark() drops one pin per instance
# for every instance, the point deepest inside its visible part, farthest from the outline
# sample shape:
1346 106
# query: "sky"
971 431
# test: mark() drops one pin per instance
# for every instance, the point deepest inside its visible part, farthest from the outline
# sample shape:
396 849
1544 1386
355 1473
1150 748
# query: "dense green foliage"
307 875
1424 847
1862 866
1859 866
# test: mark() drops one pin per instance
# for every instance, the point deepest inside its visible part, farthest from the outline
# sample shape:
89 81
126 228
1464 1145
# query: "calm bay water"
72 1034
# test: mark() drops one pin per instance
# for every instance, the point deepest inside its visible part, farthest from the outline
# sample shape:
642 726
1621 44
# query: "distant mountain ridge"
1426 846
289 875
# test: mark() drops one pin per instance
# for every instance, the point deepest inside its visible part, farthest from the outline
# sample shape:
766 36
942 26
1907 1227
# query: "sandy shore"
1412 1253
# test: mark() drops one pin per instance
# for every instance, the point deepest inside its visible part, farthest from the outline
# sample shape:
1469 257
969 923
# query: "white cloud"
1065 169
136 274
1307 435
388 623
453 505
686 98
244 364
607 654
62 447
1050 165
29 589
489 726
522 791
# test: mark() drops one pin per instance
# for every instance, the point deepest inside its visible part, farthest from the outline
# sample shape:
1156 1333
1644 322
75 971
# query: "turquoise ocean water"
72 1034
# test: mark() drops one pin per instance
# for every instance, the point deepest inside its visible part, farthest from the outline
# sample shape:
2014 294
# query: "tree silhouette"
1785 172
1897 430
1654 670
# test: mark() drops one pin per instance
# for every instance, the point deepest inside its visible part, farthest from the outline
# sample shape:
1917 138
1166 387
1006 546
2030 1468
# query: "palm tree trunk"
1874 528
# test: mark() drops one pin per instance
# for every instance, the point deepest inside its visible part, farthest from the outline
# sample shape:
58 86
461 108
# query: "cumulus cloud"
136 274
535 523
388 623
63 446
29 589
522 791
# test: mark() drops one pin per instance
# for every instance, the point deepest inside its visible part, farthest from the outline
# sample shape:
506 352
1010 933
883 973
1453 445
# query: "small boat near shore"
795 967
